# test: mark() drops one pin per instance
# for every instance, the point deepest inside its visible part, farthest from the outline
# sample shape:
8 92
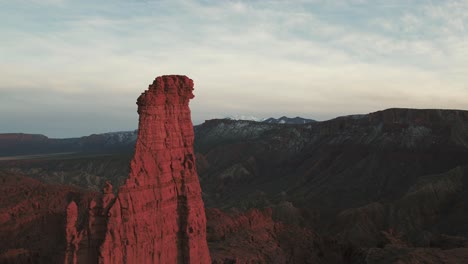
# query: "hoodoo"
158 215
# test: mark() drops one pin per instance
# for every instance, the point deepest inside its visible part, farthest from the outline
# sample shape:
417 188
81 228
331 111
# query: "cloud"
316 59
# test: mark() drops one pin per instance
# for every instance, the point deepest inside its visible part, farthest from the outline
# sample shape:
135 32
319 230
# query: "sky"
73 68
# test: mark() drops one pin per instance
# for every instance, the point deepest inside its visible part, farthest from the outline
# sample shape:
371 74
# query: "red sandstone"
158 215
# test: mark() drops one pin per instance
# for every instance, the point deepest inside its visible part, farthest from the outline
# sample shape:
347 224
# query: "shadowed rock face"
387 187
158 214
33 218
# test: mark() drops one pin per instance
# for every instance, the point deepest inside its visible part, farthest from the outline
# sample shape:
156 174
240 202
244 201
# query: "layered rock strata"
158 214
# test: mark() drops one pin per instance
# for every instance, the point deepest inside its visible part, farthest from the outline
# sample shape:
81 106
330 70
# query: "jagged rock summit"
158 215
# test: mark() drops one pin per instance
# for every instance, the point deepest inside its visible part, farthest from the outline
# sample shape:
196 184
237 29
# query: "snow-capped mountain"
245 117
272 120
288 120
120 137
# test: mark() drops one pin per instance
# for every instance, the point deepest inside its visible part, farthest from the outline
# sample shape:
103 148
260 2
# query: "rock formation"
34 224
158 214
386 187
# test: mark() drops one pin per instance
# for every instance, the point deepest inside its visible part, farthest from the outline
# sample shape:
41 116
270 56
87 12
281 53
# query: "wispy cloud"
315 58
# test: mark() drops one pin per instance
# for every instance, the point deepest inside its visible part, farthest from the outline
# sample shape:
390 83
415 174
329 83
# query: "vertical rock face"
158 215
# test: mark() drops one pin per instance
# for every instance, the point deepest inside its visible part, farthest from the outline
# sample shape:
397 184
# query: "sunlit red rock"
158 214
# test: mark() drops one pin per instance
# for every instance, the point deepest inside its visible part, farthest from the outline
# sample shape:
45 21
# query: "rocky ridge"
391 184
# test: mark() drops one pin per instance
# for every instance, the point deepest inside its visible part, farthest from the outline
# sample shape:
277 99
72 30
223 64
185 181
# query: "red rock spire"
158 215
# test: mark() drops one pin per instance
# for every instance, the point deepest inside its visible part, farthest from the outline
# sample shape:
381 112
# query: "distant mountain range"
245 118
282 120
392 184
32 144
288 120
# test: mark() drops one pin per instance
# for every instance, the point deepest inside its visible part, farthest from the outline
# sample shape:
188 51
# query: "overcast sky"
72 68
